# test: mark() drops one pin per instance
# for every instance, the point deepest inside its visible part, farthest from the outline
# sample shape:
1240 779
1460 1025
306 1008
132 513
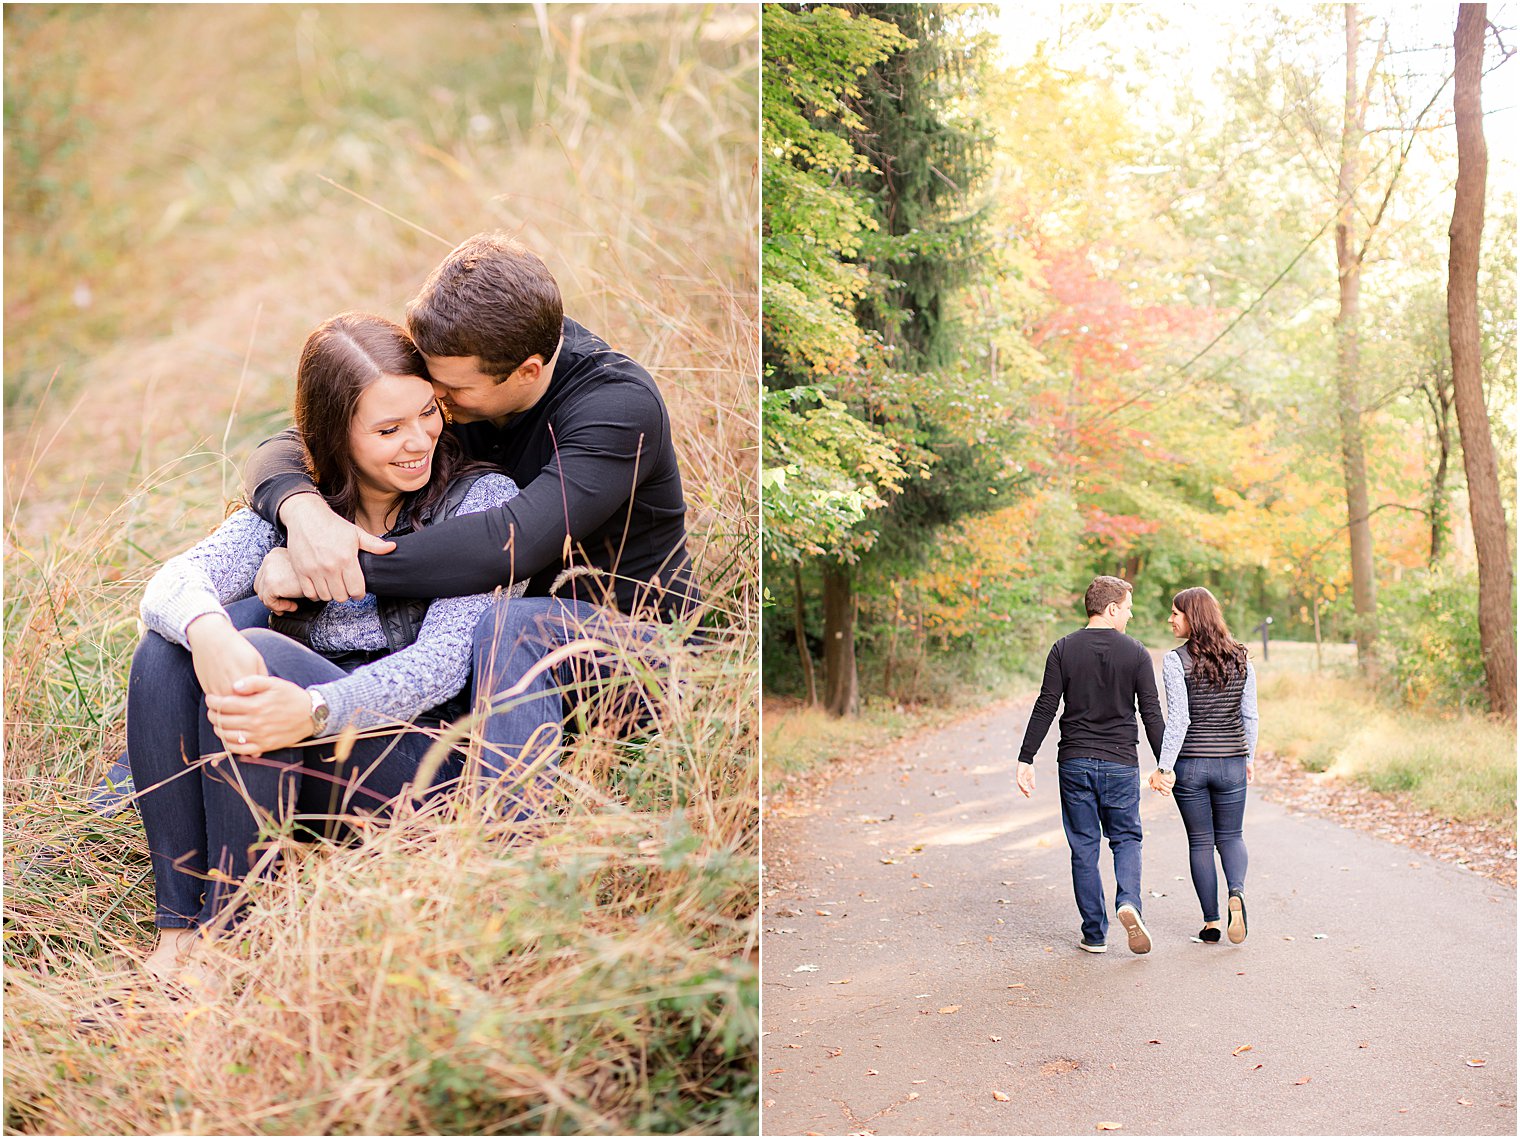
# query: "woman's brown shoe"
1237 927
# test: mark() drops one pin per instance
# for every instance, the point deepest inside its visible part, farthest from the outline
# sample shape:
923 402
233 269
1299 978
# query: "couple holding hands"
471 516
1205 751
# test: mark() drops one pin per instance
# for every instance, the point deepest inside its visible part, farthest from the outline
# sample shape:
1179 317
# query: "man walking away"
1100 674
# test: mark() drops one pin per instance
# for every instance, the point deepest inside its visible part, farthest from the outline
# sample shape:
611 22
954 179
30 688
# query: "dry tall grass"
172 234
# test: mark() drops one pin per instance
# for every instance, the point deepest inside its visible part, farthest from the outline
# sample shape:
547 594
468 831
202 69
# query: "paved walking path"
920 964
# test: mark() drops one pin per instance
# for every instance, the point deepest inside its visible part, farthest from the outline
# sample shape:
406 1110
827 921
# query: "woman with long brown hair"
231 726
1210 748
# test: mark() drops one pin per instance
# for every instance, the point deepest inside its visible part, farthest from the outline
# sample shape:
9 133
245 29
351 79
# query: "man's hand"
263 714
222 656
324 550
1026 779
1250 771
1163 781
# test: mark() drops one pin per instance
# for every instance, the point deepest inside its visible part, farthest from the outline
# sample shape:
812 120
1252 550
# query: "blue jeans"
522 687
1211 797
1101 798
204 819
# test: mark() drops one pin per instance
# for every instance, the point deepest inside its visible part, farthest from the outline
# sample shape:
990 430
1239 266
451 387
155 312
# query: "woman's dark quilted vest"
400 617
1214 729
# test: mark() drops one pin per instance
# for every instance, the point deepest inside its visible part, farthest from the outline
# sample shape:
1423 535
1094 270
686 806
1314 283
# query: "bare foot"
178 959
171 953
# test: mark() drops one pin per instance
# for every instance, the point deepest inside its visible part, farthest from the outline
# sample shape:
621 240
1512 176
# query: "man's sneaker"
1101 947
1139 936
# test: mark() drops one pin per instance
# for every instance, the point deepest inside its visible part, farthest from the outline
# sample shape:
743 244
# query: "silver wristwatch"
319 712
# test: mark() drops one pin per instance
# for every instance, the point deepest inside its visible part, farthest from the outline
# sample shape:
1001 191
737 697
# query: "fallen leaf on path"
776 1071
920 1081
1320 936
1302 1080
806 969
824 913
835 1053
890 861
1363 1044
1402 1110
1287 938
1153 1042
912 1095
1242 1048
1258 1067
1000 1097
1020 985
872 1072
1476 1063
1465 1102
846 981
793 1045
1110 1126
950 1009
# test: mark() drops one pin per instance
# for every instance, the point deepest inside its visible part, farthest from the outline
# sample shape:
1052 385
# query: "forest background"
188 191
1055 295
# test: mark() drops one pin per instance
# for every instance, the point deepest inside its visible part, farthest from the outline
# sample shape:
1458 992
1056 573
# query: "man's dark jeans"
1101 798
202 818
533 652
1211 797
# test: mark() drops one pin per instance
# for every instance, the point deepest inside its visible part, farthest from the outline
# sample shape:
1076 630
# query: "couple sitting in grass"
1205 753
462 518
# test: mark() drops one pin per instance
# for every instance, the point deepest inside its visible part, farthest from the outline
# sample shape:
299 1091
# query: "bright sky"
1196 39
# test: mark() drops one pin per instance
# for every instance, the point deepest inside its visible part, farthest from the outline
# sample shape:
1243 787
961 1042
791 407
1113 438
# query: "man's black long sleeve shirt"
1101 674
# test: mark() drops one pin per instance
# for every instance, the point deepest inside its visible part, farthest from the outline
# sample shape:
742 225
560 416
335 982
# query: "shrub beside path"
922 976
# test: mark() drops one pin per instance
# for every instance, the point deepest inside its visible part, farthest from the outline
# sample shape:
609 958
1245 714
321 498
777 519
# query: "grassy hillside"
188 191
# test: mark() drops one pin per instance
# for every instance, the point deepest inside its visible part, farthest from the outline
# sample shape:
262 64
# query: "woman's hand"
276 583
1162 781
222 655
263 714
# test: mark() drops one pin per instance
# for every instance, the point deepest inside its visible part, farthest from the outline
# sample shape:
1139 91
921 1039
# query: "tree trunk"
1490 533
1438 394
802 645
841 684
1348 263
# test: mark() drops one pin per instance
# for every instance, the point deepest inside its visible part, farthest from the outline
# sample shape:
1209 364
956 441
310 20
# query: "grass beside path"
797 739
1461 766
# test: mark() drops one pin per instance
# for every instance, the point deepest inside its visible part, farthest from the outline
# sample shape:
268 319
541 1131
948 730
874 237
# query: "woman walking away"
1210 749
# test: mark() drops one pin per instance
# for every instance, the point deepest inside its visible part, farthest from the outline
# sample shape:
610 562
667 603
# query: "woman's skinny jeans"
1211 797
204 818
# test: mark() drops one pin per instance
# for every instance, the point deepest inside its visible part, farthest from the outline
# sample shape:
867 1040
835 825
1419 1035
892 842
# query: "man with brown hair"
598 531
1101 674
